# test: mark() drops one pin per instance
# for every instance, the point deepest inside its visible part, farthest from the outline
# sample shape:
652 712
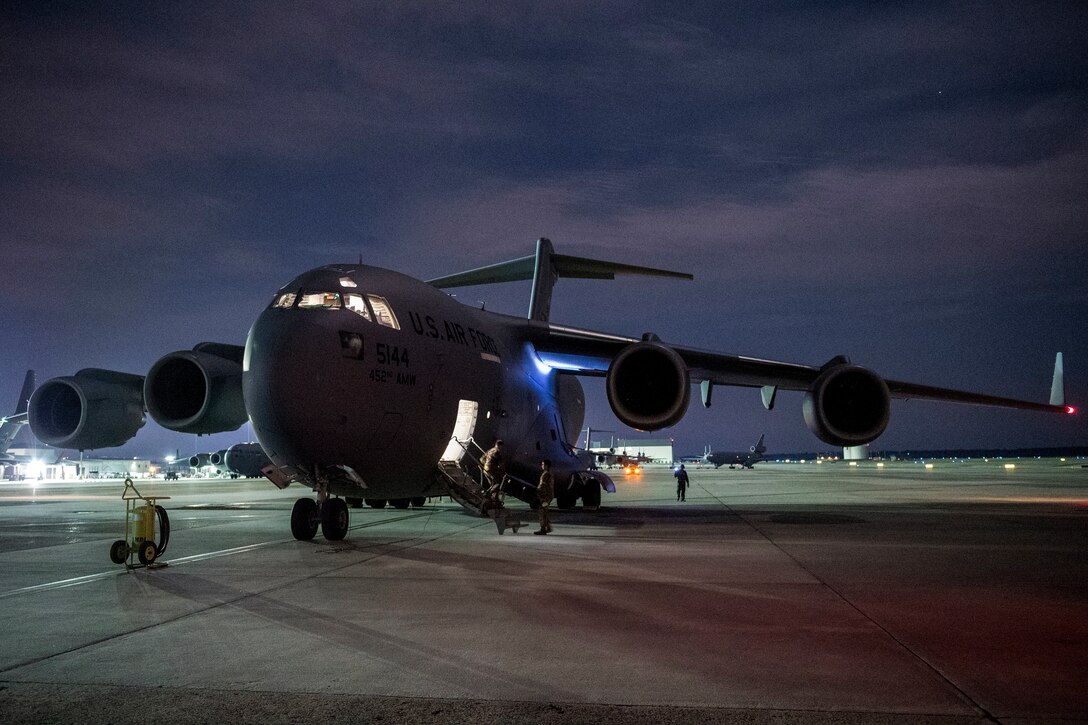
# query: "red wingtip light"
1070 410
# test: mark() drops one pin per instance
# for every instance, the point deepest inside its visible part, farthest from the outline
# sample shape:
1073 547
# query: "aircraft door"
463 428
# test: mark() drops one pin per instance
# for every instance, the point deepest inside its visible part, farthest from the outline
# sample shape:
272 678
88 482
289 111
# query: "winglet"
1057 385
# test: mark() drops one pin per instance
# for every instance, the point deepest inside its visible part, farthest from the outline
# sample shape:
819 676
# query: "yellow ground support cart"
142 514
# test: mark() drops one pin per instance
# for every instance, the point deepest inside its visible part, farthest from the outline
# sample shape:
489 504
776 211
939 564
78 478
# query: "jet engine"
92 409
648 385
198 390
847 405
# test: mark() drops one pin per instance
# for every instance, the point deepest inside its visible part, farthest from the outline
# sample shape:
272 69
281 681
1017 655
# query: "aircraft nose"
281 381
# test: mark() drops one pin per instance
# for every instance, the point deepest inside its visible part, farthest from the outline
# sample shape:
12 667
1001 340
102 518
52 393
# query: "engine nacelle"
198 390
847 405
247 459
200 460
218 459
92 409
648 385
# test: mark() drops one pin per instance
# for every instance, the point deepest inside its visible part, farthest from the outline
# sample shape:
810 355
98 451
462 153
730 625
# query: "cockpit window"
327 300
286 299
383 311
356 304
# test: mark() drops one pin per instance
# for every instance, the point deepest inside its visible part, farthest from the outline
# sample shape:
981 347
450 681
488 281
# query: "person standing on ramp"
681 483
545 491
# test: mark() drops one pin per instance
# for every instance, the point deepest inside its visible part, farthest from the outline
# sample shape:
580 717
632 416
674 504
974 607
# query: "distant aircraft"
364 382
745 459
242 459
10 425
608 456
622 459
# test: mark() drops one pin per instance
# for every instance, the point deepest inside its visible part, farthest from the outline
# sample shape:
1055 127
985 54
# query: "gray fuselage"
330 383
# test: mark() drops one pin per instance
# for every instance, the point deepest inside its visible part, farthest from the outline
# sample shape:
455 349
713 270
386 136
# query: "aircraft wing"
590 353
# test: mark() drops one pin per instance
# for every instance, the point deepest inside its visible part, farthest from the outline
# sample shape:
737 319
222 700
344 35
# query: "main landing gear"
332 516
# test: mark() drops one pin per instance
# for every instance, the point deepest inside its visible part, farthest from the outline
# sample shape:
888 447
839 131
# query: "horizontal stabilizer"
563 265
544 268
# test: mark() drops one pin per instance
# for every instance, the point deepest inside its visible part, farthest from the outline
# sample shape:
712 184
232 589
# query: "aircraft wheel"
304 519
565 501
119 552
400 503
591 496
419 501
375 503
145 552
334 519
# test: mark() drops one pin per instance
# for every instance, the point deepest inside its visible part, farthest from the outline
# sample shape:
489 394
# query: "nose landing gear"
334 519
304 519
331 515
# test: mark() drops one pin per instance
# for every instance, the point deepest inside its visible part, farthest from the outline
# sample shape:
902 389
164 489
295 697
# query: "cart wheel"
146 552
119 552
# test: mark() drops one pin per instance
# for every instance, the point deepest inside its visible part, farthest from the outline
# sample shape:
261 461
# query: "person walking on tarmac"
545 491
494 468
681 483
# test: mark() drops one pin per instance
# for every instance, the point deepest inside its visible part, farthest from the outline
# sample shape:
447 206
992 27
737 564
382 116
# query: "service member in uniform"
494 469
681 483
545 491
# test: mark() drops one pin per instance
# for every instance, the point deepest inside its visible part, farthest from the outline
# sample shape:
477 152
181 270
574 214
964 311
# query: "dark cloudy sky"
901 183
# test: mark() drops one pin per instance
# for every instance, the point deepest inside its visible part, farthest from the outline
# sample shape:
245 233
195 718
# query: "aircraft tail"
12 424
545 268
759 448
24 395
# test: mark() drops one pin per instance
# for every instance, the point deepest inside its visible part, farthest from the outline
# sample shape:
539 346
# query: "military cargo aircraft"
364 382
744 459
245 460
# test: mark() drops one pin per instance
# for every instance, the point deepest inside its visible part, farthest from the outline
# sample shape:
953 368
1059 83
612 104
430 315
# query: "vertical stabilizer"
27 391
12 424
544 278
759 448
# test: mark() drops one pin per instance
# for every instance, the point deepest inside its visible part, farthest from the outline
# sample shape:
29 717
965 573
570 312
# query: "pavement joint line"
979 709
88 578
243 595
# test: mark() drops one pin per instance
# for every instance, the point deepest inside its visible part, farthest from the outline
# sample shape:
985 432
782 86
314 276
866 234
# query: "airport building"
41 464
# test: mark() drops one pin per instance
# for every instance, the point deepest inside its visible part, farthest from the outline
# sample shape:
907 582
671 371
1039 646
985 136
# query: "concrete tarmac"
788 593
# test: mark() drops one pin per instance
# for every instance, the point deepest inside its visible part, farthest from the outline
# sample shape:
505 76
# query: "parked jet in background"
242 459
10 425
745 459
608 457
364 382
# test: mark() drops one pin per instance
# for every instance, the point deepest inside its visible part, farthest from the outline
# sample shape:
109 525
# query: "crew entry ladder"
470 493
